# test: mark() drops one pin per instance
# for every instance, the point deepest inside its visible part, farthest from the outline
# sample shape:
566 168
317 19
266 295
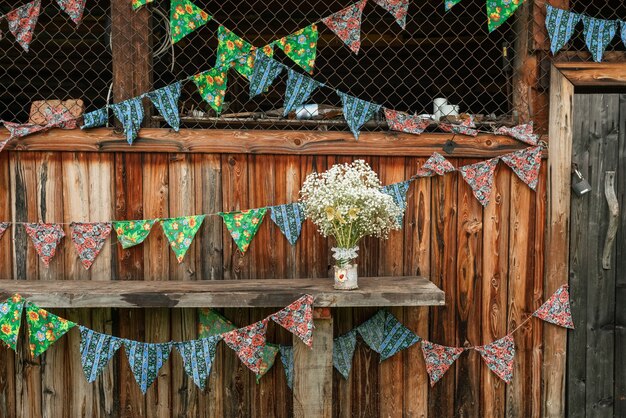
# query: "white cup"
438 103
449 110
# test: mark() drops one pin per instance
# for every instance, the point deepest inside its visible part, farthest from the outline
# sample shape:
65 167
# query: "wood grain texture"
593 74
620 279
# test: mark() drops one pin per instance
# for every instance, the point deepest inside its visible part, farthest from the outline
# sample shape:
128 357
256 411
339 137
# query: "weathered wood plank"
596 74
620 279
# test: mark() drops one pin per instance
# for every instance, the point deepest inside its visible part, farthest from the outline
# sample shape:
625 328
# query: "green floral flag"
180 233
243 225
212 323
185 17
232 50
498 11
10 320
301 47
268 357
138 3
44 328
131 233
212 87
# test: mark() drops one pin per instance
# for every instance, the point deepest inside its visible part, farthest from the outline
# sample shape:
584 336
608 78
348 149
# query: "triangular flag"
436 164
346 24
480 178
11 319
212 323
185 17
18 130
268 358
138 3
373 330
232 49
95 119
44 328
212 87
450 3
73 8
249 342
499 357
343 352
301 47
146 360
89 239
598 34
523 133
623 31
526 164
396 338
45 238
131 233
286 357
289 218
297 318
3 227
165 100
560 25
466 127
397 8
198 358
398 192
403 122
180 233
130 114
243 225
299 89
96 350
357 112
498 11
438 359
22 22
556 310
266 69
60 117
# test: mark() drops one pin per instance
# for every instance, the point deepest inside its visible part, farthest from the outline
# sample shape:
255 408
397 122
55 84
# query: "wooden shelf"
373 291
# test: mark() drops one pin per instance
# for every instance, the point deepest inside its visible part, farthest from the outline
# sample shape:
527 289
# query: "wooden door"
596 353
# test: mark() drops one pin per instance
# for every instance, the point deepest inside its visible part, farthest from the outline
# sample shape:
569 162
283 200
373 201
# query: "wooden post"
313 370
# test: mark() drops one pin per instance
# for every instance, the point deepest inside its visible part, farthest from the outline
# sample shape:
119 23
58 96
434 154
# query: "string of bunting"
89 237
146 359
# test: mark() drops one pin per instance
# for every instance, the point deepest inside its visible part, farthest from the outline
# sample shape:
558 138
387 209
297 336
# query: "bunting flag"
299 89
180 233
249 342
436 164
198 358
466 127
556 310
598 34
396 337
526 164
286 357
243 225
145 360
346 24
212 323
397 8
96 350
185 17
398 192
22 22
268 358
232 49
45 238
499 357
522 133
165 100
130 114
498 11
138 3
95 119
623 31
73 8
131 233
301 47
10 320
44 328
3 227
212 87
89 239
357 112
297 318
372 331
438 359
480 178
289 219
403 122
59 117
343 352
266 69
450 3
560 25
17 130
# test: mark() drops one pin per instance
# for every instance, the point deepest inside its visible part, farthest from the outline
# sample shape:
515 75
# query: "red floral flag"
73 8
346 24
522 133
297 318
404 122
89 239
45 238
22 22
398 8
17 130
249 343
480 178
438 359
499 357
556 310
3 228
436 164
526 164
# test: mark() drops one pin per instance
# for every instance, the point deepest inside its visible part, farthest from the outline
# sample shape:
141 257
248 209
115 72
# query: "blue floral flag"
623 31
146 360
198 358
396 338
449 4
96 350
265 71
372 331
560 25
289 219
95 119
598 34
343 352
165 100
357 112
398 192
299 89
286 357
130 114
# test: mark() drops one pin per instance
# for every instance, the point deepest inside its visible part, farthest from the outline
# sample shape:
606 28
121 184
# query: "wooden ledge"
373 291
595 74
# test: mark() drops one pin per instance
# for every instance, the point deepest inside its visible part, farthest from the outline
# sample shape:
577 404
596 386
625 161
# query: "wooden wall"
488 261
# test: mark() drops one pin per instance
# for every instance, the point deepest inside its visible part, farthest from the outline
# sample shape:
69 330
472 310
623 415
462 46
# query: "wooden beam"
597 74
373 291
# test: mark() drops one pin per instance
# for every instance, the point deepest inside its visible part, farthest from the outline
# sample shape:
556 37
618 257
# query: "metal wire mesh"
440 54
